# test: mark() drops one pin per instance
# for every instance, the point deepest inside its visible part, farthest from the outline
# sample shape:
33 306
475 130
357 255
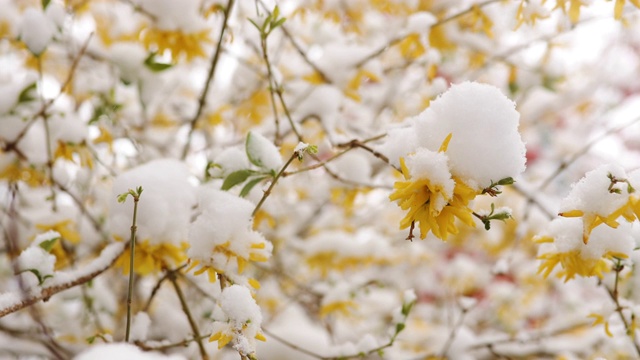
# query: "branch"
102 263
214 64
398 39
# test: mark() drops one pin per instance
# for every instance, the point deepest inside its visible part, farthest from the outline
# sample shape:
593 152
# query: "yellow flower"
562 245
573 264
599 319
152 258
424 201
178 43
258 252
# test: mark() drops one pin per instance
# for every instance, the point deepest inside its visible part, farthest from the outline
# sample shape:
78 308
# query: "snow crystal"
591 194
121 351
485 145
36 30
164 209
263 152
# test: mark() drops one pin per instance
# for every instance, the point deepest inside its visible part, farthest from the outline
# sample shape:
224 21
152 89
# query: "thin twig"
273 184
132 251
398 39
187 312
212 69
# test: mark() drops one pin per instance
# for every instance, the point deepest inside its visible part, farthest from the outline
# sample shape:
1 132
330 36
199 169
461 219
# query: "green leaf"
151 63
47 245
406 308
91 339
506 181
236 178
399 327
256 25
278 23
26 95
123 197
250 185
41 279
45 3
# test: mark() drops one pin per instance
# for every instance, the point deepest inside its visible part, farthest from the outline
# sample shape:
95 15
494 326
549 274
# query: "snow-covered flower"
598 198
221 238
240 321
163 215
562 245
432 197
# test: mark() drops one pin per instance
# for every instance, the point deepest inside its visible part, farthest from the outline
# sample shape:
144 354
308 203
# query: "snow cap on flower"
562 245
599 197
240 322
592 193
485 145
164 209
221 238
426 164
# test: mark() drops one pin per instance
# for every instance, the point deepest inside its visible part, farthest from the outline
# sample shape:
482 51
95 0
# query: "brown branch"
212 69
48 292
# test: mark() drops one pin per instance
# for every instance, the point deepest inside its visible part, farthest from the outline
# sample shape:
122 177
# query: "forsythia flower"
599 198
563 245
432 197
221 238
151 258
238 321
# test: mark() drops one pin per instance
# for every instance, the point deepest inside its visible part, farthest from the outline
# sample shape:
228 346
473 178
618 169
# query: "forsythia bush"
319 179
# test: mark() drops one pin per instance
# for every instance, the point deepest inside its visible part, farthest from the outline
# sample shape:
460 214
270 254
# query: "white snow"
140 326
121 351
229 160
426 164
591 194
485 145
224 219
36 258
164 209
239 306
567 235
36 30
263 152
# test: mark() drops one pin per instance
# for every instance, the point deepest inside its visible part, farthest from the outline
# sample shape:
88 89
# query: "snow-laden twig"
63 280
